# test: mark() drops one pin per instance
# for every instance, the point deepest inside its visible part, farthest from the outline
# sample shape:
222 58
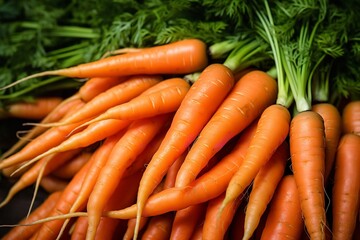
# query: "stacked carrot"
146 154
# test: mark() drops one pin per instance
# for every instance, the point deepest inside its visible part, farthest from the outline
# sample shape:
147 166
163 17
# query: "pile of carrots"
139 152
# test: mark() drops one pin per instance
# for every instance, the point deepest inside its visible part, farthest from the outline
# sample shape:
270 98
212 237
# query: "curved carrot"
69 169
265 142
95 86
131 144
236 112
351 117
346 189
284 220
53 184
332 124
181 57
195 110
307 150
263 188
25 232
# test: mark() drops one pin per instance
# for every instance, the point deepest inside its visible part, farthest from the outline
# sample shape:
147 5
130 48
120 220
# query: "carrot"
195 110
31 175
185 221
69 169
217 223
307 151
148 105
79 230
332 124
53 184
95 86
351 117
263 188
284 220
35 109
181 57
138 135
346 188
24 232
237 111
159 227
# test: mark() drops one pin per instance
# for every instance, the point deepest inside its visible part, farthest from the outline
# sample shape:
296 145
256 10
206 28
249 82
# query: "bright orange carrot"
95 86
181 57
69 169
25 232
217 223
332 124
346 189
53 184
263 188
138 135
148 105
284 220
159 227
185 221
307 150
36 109
195 110
265 142
237 111
351 118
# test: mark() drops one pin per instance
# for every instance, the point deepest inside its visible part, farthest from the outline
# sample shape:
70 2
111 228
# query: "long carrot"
307 150
195 110
284 220
346 188
237 111
69 169
263 188
181 57
332 124
25 232
138 135
351 117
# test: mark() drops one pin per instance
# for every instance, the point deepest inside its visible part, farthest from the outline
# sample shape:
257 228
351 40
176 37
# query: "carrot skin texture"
346 188
159 227
69 169
25 232
238 110
332 124
351 118
185 56
284 220
307 151
263 189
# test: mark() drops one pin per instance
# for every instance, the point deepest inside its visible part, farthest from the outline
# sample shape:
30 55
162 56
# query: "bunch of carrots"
142 152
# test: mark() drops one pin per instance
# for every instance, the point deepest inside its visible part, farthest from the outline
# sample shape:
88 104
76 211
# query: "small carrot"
159 227
346 188
95 86
138 135
216 223
236 112
195 110
36 109
69 169
351 117
332 124
284 220
181 57
25 232
307 151
53 184
263 188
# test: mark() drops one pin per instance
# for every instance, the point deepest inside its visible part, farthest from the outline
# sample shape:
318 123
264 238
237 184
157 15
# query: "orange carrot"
36 109
332 124
284 220
159 227
351 118
138 135
53 184
185 56
195 110
217 223
185 221
237 111
346 188
69 169
95 86
79 230
263 188
25 232
307 150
